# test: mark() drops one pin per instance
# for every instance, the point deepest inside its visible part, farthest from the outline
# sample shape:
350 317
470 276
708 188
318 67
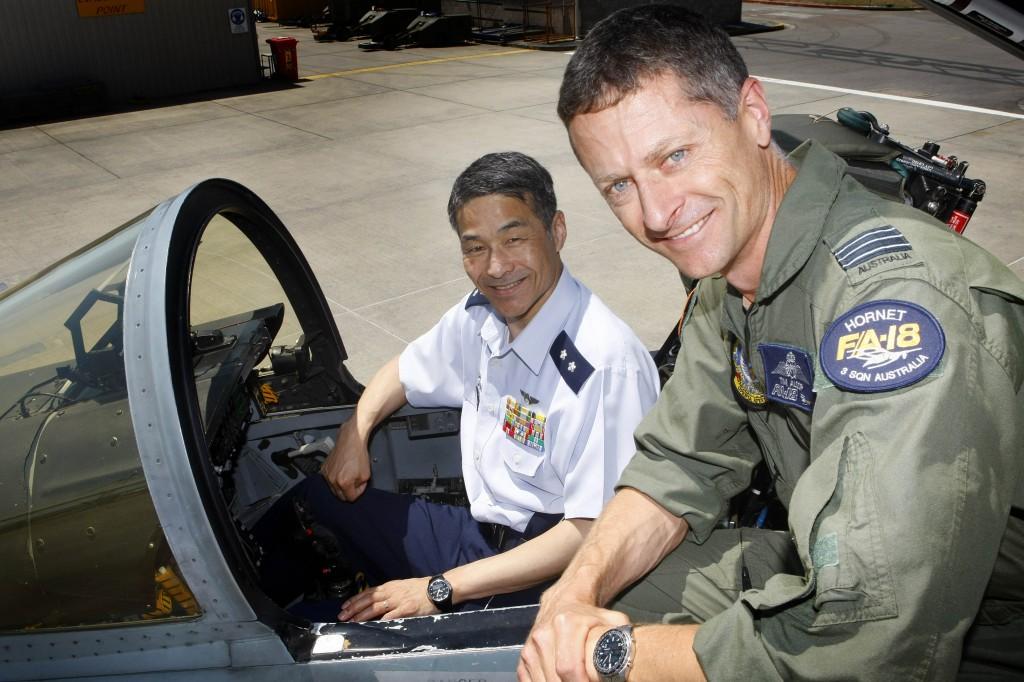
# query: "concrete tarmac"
358 157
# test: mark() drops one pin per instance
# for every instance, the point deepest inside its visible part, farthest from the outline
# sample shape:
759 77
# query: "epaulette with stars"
573 367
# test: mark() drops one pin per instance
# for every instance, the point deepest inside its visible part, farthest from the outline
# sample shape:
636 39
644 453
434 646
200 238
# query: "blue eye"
677 156
618 187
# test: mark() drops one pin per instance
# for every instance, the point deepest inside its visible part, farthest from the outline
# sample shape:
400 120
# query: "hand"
561 644
395 599
347 468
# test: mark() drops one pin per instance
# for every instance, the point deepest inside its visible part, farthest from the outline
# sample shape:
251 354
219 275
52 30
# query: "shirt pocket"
520 459
846 544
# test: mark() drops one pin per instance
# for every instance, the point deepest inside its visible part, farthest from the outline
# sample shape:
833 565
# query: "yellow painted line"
370 69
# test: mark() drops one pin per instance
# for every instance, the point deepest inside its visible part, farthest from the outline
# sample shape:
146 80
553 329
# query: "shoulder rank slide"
573 367
869 245
475 299
881 346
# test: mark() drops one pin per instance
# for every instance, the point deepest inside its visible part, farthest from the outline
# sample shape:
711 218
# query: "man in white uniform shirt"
551 385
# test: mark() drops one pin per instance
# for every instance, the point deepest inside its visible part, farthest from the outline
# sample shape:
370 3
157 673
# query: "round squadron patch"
882 346
748 388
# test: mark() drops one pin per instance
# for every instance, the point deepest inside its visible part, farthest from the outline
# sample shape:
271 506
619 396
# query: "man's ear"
558 231
754 112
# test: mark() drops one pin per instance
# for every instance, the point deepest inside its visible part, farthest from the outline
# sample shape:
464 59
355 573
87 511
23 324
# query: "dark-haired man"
551 385
869 358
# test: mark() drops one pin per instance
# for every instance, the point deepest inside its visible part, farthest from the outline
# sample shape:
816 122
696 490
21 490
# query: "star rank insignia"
571 364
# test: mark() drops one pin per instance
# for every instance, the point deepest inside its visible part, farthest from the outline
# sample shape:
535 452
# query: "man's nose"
660 203
498 263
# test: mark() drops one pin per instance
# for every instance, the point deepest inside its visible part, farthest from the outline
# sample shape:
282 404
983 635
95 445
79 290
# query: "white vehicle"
1001 22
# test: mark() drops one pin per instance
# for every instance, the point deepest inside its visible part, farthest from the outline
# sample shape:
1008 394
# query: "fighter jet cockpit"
163 389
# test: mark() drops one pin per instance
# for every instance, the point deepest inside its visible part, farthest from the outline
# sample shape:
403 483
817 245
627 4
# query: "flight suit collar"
532 344
800 220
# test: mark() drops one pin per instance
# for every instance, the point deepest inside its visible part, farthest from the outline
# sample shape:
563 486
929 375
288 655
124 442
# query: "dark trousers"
388 536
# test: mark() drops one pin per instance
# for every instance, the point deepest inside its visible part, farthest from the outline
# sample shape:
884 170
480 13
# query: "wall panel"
173 47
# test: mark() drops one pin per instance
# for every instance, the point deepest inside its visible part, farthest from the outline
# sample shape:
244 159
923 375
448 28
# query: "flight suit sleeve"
695 450
617 399
899 517
431 368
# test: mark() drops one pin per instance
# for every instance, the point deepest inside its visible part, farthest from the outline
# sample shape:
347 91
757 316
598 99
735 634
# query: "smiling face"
685 180
510 256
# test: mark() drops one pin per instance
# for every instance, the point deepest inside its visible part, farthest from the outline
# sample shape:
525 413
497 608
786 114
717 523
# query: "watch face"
610 653
438 590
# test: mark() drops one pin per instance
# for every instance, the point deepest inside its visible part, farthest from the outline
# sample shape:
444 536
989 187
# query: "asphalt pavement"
358 157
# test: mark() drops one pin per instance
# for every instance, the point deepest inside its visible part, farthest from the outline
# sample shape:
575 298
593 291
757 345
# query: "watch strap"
444 605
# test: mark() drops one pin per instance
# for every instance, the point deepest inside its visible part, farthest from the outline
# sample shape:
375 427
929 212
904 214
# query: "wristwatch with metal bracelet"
613 654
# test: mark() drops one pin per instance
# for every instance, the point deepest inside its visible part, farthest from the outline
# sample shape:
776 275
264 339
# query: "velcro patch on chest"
789 375
881 346
748 388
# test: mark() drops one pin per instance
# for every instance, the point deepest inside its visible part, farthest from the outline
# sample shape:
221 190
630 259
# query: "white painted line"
898 98
1010 265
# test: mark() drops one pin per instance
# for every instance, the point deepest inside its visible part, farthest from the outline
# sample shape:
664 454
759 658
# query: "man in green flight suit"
871 359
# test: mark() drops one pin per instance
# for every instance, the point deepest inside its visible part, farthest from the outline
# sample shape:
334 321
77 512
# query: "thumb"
353 490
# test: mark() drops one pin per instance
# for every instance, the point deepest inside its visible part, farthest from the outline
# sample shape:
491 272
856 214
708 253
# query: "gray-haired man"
551 385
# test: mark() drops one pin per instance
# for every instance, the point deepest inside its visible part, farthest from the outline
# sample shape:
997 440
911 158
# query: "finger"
397 612
528 669
357 603
542 658
354 490
371 607
333 485
588 648
371 612
571 635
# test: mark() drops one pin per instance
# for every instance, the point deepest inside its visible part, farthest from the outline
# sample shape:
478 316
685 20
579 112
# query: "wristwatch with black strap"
439 592
613 654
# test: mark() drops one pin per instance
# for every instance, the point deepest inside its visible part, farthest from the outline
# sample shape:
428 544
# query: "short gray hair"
510 174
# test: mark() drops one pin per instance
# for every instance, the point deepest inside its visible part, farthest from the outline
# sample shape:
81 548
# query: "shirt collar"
533 343
800 220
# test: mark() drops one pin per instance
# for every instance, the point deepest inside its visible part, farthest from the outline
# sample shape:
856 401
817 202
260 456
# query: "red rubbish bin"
286 58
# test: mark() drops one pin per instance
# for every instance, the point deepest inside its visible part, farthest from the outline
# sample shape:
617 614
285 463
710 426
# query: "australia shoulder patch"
881 346
874 251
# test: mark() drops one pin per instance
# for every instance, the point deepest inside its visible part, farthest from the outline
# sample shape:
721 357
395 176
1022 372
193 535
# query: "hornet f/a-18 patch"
881 346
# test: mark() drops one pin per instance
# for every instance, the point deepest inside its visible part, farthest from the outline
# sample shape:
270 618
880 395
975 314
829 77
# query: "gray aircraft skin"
163 387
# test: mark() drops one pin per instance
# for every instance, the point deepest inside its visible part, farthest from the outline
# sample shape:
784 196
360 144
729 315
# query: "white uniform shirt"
547 420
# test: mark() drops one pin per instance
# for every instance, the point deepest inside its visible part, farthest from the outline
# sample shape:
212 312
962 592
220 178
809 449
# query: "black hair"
510 174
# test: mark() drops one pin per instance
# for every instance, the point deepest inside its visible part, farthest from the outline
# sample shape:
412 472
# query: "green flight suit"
903 501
